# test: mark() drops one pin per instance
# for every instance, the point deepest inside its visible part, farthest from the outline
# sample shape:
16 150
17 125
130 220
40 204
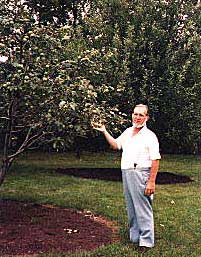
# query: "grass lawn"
177 208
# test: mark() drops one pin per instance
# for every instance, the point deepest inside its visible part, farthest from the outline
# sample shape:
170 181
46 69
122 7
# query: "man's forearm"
150 187
154 170
112 142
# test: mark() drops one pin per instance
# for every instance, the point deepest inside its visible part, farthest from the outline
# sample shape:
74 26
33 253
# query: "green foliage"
99 58
46 91
149 53
163 45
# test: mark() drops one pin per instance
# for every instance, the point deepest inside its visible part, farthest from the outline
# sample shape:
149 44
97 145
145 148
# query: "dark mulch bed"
27 228
114 174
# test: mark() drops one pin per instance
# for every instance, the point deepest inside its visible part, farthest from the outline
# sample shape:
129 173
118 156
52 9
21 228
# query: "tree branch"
26 144
4 118
8 130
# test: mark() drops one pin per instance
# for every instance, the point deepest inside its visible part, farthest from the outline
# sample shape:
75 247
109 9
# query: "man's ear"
148 117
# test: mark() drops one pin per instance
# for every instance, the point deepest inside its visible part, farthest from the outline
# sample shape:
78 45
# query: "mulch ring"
114 174
28 228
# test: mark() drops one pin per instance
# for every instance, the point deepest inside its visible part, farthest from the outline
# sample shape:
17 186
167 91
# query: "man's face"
139 116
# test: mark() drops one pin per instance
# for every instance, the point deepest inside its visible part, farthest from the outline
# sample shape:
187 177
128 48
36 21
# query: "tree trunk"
3 170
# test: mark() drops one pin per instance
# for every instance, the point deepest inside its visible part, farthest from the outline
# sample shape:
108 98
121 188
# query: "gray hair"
143 106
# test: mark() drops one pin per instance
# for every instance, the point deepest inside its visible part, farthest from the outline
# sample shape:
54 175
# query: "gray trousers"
139 206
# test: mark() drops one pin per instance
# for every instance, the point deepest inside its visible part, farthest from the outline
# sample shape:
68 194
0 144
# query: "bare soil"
114 174
29 228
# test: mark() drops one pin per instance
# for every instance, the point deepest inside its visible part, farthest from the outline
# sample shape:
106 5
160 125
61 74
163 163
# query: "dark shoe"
143 249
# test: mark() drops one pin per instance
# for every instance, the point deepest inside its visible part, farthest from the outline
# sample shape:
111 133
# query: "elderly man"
139 164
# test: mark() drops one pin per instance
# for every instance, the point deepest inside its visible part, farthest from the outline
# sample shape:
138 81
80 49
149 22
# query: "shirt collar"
143 129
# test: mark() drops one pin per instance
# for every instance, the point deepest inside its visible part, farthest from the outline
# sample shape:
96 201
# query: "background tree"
155 59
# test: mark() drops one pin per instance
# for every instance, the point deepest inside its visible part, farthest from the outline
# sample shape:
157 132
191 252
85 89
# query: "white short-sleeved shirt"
140 149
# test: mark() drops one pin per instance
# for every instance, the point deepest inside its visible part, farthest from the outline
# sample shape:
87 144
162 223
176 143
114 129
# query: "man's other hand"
150 188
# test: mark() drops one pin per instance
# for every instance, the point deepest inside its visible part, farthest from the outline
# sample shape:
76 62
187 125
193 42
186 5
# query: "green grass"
177 208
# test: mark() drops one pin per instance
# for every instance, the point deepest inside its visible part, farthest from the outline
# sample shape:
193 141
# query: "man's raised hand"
98 126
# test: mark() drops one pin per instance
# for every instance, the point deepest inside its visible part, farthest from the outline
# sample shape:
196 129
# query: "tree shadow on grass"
114 174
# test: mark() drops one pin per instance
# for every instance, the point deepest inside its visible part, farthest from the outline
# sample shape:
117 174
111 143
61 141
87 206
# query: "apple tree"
43 96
